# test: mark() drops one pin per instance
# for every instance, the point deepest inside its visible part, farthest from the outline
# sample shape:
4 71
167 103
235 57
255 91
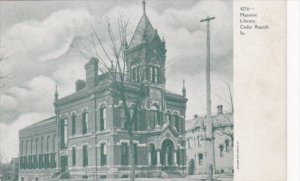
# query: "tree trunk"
132 161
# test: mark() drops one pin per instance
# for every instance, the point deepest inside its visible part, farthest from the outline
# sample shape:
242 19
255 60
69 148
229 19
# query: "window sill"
79 136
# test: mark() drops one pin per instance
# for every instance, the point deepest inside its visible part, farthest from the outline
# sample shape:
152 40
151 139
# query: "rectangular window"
52 160
73 156
138 74
40 161
178 155
103 153
73 124
124 154
200 158
150 74
102 119
85 155
155 75
46 160
227 145
135 153
221 147
122 118
170 118
134 74
29 163
84 123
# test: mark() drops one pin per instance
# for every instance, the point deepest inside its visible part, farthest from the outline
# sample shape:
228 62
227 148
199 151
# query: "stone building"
197 144
38 150
92 137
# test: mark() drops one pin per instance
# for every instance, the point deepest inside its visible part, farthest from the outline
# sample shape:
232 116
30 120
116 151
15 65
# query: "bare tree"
113 62
2 75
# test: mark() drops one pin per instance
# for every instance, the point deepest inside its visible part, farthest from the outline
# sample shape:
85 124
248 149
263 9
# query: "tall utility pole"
209 137
208 94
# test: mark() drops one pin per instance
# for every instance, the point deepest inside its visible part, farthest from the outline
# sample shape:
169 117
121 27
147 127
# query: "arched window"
85 120
64 133
155 118
153 158
73 117
102 118
138 76
198 139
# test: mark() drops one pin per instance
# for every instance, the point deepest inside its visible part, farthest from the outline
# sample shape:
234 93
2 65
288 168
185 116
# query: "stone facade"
198 147
38 150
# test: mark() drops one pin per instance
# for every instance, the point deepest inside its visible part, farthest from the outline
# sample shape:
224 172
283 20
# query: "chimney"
220 109
91 69
79 84
195 116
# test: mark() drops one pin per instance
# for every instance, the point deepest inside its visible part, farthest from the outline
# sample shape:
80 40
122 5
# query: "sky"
37 39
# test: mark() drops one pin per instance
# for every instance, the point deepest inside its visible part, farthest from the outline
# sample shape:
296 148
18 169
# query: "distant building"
9 171
38 150
89 125
197 144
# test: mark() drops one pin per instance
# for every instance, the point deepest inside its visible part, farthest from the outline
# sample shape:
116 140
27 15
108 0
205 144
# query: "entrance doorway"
167 153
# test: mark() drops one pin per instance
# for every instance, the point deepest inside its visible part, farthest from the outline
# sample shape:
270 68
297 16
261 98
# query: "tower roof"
143 32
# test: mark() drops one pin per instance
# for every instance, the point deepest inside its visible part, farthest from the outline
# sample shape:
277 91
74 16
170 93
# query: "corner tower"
146 54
